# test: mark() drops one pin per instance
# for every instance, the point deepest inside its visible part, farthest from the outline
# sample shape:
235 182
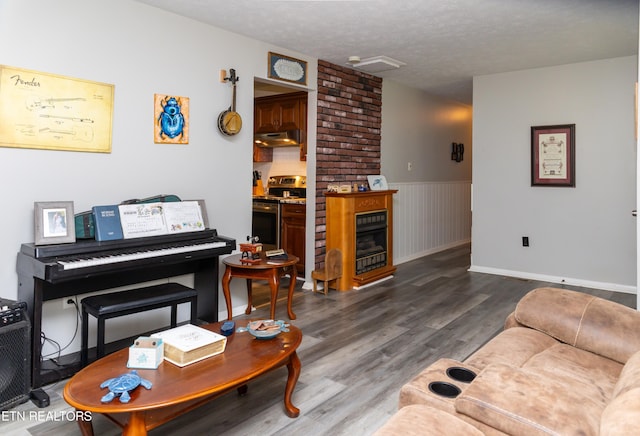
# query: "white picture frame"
378 183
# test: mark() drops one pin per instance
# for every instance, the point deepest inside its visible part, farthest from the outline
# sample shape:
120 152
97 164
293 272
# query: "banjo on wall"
229 121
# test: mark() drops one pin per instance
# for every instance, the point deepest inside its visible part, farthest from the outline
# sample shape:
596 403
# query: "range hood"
290 138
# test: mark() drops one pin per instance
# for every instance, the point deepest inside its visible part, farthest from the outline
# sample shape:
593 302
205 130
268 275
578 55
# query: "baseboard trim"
439 248
627 289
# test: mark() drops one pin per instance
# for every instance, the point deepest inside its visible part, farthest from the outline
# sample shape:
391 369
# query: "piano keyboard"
125 257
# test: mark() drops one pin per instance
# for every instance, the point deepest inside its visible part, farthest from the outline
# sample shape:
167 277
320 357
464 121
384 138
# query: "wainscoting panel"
429 217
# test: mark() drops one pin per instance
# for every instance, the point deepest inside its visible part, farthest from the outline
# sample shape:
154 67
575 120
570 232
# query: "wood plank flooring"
359 348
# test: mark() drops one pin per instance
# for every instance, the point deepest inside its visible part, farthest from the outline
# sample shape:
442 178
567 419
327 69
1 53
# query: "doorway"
287 104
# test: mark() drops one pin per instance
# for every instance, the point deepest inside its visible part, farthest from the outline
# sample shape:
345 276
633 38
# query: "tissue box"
146 353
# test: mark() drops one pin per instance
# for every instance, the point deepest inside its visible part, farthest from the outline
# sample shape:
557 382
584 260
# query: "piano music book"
107 223
189 344
141 220
153 219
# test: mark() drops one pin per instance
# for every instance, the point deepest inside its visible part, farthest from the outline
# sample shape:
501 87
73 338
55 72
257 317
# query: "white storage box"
146 353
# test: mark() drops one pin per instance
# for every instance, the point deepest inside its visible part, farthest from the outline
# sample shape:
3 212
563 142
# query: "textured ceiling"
444 43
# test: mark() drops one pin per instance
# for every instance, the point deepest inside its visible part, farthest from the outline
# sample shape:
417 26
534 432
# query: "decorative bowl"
266 328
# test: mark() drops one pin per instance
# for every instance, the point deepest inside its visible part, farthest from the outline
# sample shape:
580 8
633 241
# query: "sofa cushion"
419 420
514 346
584 321
517 402
595 376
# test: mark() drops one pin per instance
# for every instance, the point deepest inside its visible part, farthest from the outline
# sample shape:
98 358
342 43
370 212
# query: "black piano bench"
115 304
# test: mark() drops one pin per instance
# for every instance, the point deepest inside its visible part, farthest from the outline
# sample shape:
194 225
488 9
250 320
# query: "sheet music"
183 216
153 219
140 220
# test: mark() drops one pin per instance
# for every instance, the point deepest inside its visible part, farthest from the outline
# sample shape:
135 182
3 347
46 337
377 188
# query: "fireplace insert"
371 241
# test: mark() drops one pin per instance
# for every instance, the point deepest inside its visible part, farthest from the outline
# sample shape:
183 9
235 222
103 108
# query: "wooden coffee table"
178 390
266 269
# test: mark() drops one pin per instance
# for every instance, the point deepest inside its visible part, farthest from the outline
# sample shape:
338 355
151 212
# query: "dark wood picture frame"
553 155
286 68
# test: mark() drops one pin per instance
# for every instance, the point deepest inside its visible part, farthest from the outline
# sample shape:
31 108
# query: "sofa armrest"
516 402
421 420
620 417
583 321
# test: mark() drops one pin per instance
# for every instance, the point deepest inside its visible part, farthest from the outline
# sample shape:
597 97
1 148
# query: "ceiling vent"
376 64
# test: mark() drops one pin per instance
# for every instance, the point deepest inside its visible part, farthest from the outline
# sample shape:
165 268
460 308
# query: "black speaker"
15 378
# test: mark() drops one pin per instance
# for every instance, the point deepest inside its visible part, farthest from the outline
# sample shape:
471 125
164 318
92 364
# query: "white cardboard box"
146 353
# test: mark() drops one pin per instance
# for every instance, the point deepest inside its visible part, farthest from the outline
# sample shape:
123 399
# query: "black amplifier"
11 312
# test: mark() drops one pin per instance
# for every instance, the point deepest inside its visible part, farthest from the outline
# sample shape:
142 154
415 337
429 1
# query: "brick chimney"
348 137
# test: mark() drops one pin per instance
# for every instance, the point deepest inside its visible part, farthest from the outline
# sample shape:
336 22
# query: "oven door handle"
265 208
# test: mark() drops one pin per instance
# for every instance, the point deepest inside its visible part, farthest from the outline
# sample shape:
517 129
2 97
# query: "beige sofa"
566 363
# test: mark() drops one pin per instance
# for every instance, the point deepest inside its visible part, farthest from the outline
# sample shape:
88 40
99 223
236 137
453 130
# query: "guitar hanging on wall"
229 121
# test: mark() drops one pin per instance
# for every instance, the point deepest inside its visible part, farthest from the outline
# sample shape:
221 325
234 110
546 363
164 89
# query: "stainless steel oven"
266 222
266 208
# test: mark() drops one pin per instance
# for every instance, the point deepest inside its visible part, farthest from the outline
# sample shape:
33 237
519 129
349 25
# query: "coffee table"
178 390
265 269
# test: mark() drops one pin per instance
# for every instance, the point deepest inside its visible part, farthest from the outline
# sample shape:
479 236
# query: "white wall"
637 178
142 51
419 128
432 208
583 235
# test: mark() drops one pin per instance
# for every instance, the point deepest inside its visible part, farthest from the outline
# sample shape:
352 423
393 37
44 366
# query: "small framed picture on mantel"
553 155
377 183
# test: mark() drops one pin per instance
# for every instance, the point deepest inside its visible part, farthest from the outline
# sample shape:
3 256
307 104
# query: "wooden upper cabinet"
279 113
261 154
289 114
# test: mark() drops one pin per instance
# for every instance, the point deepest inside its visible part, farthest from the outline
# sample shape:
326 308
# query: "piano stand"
42 277
122 303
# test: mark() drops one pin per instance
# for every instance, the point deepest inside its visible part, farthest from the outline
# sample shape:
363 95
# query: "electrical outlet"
525 241
68 303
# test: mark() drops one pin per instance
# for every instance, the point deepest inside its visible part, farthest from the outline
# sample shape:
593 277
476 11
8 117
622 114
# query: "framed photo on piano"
54 222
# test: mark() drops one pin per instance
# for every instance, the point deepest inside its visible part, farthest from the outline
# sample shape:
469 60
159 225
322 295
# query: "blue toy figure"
121 386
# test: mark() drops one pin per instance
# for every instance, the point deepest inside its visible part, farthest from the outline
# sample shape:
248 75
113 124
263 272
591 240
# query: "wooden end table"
178 390
267 269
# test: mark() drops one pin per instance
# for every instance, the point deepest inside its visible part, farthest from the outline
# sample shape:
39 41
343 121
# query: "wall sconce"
457 151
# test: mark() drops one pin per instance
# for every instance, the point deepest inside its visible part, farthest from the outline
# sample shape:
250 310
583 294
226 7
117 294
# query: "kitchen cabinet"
303 123
279 113
261 154
292 232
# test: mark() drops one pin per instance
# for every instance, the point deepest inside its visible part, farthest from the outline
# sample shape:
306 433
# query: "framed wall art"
171 119
54 222
286 68
553 155
53 112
